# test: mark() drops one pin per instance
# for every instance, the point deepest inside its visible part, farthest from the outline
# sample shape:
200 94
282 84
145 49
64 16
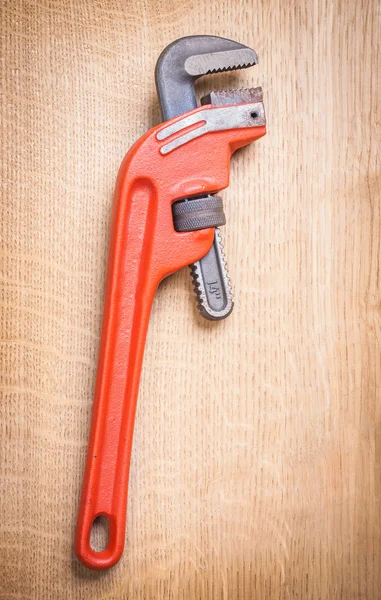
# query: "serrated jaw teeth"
219 62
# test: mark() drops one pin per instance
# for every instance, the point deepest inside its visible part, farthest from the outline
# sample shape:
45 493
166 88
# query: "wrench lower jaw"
211 283
234 96
210 275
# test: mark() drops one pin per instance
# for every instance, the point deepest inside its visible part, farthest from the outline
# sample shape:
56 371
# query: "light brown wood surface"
256 464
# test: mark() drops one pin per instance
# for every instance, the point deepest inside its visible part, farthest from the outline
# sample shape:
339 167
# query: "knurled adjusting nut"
198 213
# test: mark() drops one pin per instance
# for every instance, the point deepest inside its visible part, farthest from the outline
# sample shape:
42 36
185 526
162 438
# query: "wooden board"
256 463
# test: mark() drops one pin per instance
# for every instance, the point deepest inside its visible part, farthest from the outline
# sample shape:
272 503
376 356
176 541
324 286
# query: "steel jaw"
178 67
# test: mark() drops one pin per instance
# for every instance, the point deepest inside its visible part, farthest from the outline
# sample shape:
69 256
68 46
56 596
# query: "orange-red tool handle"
144 248
126 313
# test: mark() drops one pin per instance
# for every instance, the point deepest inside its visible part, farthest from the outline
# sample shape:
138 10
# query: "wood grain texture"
256 465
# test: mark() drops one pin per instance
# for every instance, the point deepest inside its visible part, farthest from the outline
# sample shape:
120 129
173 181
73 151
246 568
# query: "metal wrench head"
185 60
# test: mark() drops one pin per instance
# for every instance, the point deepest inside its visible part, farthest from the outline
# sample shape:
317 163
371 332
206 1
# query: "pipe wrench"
164 218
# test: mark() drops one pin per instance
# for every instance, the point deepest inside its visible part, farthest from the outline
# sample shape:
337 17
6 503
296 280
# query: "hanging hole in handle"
100 534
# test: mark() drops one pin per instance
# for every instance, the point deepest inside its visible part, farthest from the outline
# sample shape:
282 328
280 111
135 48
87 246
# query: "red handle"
144 248
129 294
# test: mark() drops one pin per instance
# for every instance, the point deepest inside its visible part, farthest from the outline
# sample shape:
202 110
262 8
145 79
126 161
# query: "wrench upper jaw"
219 62
185 60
